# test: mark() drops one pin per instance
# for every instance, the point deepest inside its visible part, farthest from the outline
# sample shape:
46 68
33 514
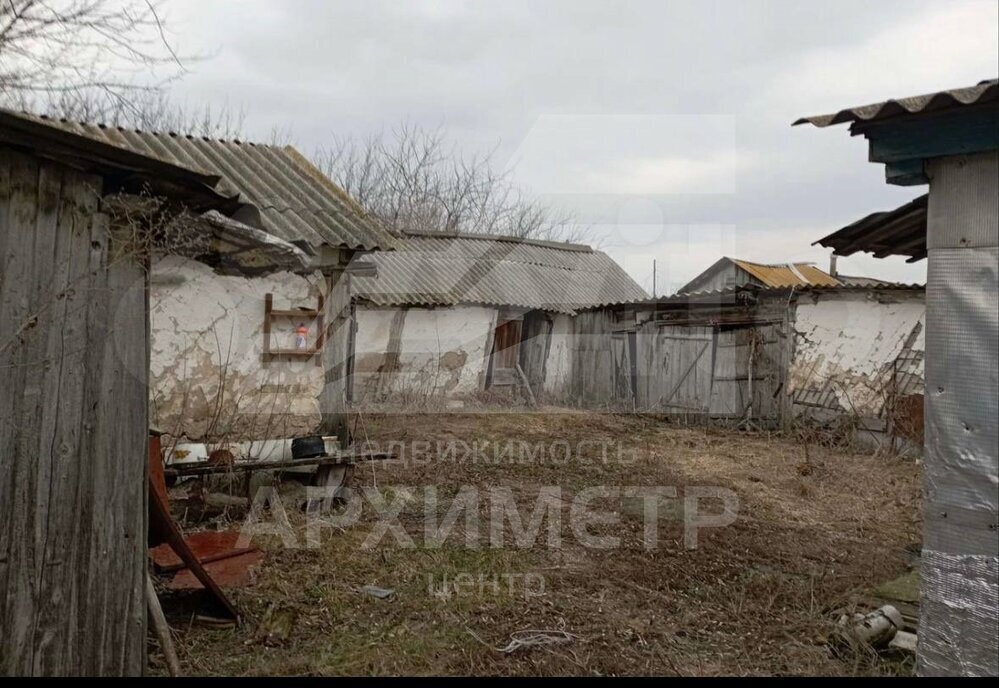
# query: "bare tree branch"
49 48
414 179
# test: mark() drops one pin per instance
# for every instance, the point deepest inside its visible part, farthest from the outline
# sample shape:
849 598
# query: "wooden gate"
713 371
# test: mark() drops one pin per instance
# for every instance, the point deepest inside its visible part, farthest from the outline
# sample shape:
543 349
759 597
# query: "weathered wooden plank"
60 404
333 398
98 325
112 614
72 459
17 303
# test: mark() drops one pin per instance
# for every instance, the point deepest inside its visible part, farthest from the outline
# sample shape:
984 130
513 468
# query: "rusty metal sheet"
226 563
163 529
788 274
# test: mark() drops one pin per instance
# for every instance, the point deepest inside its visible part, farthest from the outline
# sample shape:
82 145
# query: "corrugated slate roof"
861 281
788 274
898 232
435 269
296 202
748 293
982 92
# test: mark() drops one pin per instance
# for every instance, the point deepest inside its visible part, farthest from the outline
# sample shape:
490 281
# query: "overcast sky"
664 125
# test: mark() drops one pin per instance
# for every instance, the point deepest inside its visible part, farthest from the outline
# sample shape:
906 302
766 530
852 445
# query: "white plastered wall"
845 346
443 352
207 329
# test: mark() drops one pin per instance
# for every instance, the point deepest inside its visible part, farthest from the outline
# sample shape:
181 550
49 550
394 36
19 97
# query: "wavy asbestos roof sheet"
982 92
435 270
788 274
296 202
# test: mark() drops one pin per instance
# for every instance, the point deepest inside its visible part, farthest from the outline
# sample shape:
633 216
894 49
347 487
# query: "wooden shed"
73 399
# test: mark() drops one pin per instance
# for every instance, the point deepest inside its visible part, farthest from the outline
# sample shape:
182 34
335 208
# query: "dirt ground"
816 528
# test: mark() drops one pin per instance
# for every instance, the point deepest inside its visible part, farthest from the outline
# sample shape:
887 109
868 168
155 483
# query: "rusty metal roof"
898 232
295 201
984 91
435 269
787 274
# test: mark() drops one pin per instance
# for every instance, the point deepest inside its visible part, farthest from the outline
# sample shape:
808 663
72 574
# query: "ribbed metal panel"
788 274
448 270
959 608
296 201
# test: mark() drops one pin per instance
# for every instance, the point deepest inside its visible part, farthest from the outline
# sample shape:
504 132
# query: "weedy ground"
817 526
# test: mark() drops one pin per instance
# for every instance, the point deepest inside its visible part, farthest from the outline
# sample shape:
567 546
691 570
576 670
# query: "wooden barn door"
535 345
747 375
506 354
684 361
710 371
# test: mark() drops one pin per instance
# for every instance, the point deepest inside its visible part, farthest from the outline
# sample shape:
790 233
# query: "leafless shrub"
144 225
149 110
415 179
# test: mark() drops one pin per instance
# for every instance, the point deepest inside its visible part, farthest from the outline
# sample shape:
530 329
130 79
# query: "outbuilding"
950 141
452 315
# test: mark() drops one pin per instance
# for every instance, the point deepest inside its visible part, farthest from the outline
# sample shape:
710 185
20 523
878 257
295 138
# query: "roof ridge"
779 264
482 236
154 132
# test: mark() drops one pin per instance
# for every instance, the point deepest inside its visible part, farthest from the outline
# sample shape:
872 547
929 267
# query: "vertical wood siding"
73 430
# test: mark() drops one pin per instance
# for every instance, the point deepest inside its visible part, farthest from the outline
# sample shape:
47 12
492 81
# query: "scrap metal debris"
218 553
875 630
375 591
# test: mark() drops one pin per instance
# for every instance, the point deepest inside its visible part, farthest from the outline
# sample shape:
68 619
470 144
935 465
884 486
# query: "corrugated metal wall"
959 608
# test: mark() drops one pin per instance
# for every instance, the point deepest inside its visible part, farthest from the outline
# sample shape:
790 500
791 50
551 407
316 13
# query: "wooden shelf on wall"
314 314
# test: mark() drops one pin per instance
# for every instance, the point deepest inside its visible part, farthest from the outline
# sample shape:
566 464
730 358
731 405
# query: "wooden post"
335 353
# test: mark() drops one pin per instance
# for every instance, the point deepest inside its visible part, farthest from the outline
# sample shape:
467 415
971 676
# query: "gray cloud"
515 75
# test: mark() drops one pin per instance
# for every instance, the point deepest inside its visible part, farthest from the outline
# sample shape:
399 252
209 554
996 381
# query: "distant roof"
430 269
788 274
748 294
295 201
982 92
859 281
898 232
769 275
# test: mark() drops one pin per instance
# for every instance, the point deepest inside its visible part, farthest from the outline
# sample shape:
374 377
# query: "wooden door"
506 353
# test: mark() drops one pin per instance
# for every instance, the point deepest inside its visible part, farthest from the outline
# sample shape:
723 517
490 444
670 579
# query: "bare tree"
414 179
149 110
56 48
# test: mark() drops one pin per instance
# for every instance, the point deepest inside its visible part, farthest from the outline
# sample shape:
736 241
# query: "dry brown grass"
754 598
